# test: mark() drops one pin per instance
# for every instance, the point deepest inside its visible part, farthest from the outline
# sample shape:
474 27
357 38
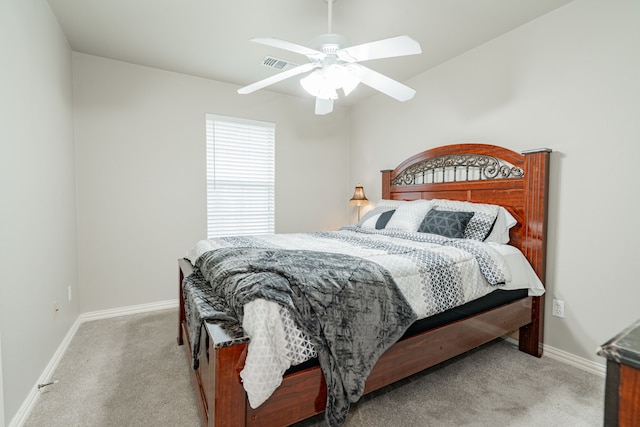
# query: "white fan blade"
285 45
277 78
324 106
387 48
384 84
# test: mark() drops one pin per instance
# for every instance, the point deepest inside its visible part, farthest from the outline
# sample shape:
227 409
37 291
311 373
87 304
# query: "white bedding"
276 342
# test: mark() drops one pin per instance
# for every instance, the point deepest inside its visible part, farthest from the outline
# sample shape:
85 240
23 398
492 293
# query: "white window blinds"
240 176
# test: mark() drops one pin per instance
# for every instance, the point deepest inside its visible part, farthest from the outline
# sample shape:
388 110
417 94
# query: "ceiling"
210 38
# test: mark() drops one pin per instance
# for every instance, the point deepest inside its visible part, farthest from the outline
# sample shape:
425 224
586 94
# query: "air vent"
278 64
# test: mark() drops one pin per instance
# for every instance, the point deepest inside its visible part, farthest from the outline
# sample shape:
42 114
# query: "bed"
472 173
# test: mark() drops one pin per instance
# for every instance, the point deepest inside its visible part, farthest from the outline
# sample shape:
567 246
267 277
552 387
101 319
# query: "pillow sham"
378 221
409 215
480 225
389 203
500 232
446 223
373 212
383 219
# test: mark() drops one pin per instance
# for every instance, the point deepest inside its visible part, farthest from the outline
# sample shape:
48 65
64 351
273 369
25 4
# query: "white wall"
38 243
1 388
140 138
568 81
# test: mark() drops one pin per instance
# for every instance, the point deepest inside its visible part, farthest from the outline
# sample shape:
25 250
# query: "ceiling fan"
334 64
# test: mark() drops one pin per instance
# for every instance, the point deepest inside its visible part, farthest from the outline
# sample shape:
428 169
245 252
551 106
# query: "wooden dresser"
622 392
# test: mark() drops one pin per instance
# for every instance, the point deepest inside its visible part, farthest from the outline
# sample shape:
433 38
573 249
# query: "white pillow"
409 215
500 232
375 212
370 223
391 204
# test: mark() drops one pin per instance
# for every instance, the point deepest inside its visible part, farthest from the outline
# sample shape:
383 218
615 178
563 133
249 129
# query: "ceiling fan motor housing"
329 43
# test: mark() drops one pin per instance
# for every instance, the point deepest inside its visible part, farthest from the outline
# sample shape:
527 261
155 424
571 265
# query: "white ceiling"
210 38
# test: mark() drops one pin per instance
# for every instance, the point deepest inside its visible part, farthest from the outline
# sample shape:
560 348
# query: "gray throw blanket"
202 304
350 307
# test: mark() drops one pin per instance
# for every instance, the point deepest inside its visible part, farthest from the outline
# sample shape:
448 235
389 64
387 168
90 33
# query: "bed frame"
478 173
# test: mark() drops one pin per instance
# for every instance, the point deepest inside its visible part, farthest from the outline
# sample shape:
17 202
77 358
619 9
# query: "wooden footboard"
217 384
223 401
303 394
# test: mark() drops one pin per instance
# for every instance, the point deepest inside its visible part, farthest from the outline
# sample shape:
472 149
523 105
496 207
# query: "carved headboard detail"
457 167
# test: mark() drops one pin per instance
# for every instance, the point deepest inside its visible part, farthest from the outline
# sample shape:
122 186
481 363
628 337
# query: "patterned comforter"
431 273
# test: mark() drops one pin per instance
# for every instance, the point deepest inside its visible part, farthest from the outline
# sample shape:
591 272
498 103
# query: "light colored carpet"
124 371
128 371
495 385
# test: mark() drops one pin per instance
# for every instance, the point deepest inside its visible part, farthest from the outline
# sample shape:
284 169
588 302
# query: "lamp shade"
359 199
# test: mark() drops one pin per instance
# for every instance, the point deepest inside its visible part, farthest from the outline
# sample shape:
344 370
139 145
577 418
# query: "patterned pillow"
383 219
390 203
481 223
375 212
446 223
409 215
377 221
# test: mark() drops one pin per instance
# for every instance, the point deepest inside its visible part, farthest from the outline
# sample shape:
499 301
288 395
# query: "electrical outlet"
558 308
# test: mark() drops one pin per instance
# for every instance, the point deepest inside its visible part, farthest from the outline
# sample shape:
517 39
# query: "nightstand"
622 390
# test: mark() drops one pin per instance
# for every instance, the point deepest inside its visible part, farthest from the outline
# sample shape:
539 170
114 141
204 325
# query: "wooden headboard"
482 173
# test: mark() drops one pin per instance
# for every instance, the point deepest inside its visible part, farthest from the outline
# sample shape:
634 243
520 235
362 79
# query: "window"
240 176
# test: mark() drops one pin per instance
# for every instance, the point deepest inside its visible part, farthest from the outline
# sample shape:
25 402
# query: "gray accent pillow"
446 223
383 219
481 224
373 212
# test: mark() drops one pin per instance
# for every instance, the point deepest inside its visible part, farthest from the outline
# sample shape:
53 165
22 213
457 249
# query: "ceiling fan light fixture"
314 83
350 81
335 64
321 83
324 82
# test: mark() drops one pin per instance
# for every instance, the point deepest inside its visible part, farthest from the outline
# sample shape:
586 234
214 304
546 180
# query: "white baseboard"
568 358
573 360
125 311
25 409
